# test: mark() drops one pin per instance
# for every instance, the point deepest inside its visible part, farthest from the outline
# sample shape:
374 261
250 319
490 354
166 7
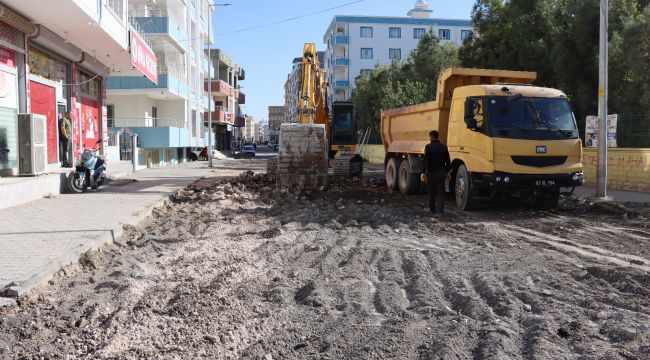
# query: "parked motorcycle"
89 171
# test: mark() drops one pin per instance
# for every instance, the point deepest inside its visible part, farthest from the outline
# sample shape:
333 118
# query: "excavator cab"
343 132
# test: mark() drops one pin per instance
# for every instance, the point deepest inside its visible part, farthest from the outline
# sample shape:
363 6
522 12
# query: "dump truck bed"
406 130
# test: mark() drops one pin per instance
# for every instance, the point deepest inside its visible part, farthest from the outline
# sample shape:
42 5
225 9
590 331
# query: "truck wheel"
548 201
464 189
392 171
409 183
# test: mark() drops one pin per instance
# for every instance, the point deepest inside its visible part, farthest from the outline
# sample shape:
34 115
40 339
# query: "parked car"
249 150
199 153
275 147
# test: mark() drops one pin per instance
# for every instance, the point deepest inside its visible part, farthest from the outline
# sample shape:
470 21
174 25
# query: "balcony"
341 83
220 87
165 82
241 97
341 40
162 25
220 116
342 62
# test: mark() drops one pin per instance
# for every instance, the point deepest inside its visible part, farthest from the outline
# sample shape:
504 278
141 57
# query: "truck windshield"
530 118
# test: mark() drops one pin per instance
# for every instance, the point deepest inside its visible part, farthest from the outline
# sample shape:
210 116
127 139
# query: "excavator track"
348 165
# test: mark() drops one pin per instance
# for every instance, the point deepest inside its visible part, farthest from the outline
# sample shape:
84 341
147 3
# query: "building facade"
165 110
357 44
292 88
55 56
249 128
276 117
227 117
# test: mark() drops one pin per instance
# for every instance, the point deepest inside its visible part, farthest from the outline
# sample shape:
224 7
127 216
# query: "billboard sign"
591 131
143 58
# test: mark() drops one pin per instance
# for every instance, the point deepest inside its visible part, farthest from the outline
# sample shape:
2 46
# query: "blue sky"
266 54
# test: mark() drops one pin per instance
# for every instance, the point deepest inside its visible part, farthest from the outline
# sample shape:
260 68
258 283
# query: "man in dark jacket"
437 165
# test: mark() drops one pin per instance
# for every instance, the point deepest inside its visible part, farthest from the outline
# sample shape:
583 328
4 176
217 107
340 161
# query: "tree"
398 85
559 40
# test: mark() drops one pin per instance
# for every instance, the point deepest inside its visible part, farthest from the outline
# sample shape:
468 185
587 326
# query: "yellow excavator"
316 140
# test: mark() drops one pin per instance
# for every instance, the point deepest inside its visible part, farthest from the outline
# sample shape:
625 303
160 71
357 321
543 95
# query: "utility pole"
601 190
210 82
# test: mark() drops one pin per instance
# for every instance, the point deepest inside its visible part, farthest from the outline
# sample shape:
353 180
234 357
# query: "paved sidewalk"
619 196
40 237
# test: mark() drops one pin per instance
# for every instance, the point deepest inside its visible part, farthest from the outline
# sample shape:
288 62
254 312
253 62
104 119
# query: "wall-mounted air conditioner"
32 144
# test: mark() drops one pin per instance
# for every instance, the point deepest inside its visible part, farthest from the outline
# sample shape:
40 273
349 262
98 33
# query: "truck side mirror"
470 120
577 110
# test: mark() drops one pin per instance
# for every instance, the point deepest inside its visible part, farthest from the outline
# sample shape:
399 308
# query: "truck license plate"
545 183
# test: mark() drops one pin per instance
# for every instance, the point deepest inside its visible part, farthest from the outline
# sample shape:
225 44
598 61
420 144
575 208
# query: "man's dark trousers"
436 191
64 150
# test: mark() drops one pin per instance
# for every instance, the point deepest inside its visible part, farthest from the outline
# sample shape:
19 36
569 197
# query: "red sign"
7 57
43 101
89 122
143 58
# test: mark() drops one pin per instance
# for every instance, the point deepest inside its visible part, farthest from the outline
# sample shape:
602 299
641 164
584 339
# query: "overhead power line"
288 19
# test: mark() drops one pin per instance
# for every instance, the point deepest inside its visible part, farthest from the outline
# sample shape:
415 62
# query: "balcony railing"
165 81
220 87
149 122
341 40
135 25
342 61
341 83
162 25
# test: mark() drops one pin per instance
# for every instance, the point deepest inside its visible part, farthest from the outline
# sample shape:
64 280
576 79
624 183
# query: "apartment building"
249 128
165 108
55 56
260 132
357 44
227 117
276 117
292 88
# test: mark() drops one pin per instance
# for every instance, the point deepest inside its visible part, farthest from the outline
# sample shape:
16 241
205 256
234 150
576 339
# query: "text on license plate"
545 182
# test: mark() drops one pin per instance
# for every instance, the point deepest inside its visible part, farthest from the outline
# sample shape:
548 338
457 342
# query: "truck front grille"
539 161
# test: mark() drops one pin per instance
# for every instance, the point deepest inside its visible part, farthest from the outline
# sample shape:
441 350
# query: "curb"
22 286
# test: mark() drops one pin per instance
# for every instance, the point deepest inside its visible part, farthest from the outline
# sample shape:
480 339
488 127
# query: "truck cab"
512 138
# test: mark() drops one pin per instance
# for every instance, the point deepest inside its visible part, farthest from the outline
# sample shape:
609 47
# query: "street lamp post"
210 82
601 190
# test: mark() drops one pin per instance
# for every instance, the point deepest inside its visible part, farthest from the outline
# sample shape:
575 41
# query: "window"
110 115
117 6
418 32
395 33
154 115
366 32
366 53
366 72
464 34
395 54
444 34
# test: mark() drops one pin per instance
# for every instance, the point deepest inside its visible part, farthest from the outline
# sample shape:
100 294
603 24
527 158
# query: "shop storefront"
8 111
48 95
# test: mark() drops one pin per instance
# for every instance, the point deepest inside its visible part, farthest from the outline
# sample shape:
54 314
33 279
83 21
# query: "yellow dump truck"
505 137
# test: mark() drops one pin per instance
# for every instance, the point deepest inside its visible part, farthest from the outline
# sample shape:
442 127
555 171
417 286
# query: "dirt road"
233 270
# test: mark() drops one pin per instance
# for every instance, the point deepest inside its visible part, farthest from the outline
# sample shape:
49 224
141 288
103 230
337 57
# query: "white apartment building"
166 112
292 88
357 44
261 130
249 128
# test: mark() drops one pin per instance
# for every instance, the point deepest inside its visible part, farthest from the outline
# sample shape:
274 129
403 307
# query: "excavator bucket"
302 157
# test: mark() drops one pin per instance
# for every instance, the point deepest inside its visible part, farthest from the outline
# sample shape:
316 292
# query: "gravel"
230 268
